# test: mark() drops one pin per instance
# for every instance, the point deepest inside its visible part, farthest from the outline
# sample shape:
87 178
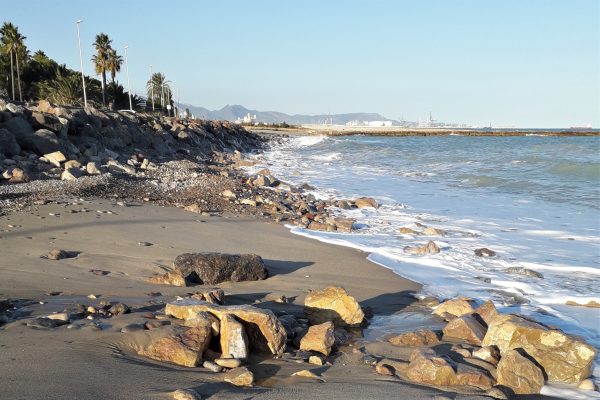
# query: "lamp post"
152 88
128 85
81 62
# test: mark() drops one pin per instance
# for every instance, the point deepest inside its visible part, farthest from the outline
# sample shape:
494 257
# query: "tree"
158 87
13 44
100 59
114 62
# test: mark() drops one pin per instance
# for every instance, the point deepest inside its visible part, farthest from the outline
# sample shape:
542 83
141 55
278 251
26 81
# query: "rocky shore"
133 249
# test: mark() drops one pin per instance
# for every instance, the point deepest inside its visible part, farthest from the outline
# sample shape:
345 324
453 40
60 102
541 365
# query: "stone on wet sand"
427 367
319 338
186 394
306 374
519 373
213 268
173 278
265 332
424 337
234 342
119 308
466 328
333 304
177 345
564 358
241 376
456 307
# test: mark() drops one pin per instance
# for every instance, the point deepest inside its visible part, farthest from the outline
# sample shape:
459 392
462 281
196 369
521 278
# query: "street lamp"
81 62
152 88
128 85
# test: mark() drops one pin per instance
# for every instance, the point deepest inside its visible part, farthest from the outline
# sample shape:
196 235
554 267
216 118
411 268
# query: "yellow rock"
563 357
519 373
408 231
306 374
426 367
205 319
241 376
365 202
333 304
234 342
433 232
174 278
422 337
487 311
456 307
183 394
466 328
181 346
265 332
319 338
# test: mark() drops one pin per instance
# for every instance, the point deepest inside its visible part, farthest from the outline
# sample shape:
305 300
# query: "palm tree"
159 86
22 52
12 41
114 62
100 59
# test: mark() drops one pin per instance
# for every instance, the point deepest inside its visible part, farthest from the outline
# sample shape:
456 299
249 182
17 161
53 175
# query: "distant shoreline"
400 131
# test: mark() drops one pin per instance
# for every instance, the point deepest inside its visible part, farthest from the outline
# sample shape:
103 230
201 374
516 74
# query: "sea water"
534 200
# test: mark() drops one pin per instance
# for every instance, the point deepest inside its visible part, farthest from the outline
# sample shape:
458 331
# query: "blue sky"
529 63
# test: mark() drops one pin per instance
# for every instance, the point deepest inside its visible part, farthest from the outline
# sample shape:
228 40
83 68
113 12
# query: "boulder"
323 227
204 318
241 376
456 307
72 164
177 345
93 168
427 367
71 174
265 332
19 128
19 176
466 328
429 248
430 231
8 143
487 311
319 338
424 337
519 373
213 268
344 224
43 141
333 304
467 375
365 202
234 342
564 358
489 354
484 252
55 158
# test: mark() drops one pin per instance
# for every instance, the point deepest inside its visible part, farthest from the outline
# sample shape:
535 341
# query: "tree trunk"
12 75
103 88
18 77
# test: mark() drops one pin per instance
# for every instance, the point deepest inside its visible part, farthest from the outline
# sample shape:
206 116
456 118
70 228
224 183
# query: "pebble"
228 362
145 244
211 366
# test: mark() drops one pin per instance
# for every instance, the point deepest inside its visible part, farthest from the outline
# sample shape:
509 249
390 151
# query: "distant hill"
233 112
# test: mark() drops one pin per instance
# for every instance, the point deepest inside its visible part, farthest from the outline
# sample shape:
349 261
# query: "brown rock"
395 366
466 328
319 338
316 360
264 330
429 248
408 231
424 337
71 164
185 394
591 304
19 176
204 319
55 158
344 224
487 311
182 346
234 342
519 373
488 353
306 374
365 202
433 232
563 357
484 252
467 375
228 362
174 278
241 376
93 168
456 307
70 174
195 208
215 296
333 304
587 384
323 227
427 367
383 369
213 268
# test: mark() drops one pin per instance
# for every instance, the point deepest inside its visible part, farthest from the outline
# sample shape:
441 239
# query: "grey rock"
8 143
213 268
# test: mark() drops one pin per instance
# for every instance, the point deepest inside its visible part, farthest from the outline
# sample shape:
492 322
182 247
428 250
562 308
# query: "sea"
532 199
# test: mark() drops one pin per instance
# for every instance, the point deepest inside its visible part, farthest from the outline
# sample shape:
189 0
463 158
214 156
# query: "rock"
433 232
57 254
241 376
383 369
496 393
427 367
215 296
19 176
178 345
119 309
424 337
45 323
204 318
344 224
19 128
276 298
93 168
487 311
70 174
323 227
132 328
265 332
564 358
316 360
228 362
43 141
45 106
213 268
195 208
483 252
429 248
467 375
519 373
262 180
234 342
55 158
365 202
59 316
488 353
456 307
8 144
211 366
591 304
524 271
333 304
466 328
228 194
395 366
72 164
587 384
306 374
408 231
319 338
174 278
120 168
186 394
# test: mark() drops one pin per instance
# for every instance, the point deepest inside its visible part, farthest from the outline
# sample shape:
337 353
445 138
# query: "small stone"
186 394
228 362
319 338
241 376
132 328
145 244
211 366
429 248
423 337
587 384
316 360
119 309
483 252
306 374
383 369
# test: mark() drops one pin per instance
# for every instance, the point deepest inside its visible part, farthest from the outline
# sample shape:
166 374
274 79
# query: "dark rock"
45 323
19 127
8 143
119 309
213 268
484 252
41 142
524 271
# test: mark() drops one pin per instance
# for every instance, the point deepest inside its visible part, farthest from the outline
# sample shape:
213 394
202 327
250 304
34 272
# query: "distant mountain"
233 112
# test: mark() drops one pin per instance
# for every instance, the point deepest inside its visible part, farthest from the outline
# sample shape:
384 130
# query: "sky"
524 63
